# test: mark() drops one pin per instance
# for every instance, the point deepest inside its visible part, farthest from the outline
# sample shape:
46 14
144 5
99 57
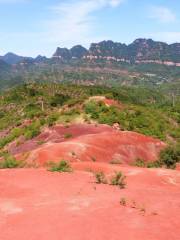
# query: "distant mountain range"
140 51
11 58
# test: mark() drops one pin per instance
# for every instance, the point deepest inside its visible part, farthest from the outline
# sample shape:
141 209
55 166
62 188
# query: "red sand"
36 204
99 143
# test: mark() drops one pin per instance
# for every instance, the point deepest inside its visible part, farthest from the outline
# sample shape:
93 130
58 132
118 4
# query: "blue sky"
32 27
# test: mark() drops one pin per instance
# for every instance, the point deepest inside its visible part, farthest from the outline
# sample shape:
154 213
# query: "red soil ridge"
99 143
38 204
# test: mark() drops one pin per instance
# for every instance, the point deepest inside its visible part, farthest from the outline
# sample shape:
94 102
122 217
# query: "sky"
33 27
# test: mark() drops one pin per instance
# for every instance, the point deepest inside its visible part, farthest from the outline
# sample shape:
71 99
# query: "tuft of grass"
140 163
100 178
41 142
118 180
10 162
156 164
68 135
62 166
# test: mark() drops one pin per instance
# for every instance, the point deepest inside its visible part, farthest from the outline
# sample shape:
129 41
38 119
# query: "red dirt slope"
99 143
36 204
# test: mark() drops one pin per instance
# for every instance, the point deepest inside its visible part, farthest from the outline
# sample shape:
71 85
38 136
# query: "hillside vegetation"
111 74
26 109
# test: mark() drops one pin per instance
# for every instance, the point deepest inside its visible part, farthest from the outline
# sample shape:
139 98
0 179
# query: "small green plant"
67 135
156 164
100 178
10 162
52 119
170 156
118 180
29 134
41 142
62 166
140 163
32 130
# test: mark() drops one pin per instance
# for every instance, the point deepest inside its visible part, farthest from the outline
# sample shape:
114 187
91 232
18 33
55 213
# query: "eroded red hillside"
39 204
94 143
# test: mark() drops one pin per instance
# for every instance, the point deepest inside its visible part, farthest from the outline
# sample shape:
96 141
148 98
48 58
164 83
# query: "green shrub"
59 100
140 163
33 110
42 121
90 107
68 135
170 156
51 120
32 130
31 133
15 133
2 114
10 162
100 178
62 166
156 164
41 142
118 180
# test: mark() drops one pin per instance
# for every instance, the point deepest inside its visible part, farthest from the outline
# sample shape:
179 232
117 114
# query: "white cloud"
115 3
71 22
162 14
169 37
74 21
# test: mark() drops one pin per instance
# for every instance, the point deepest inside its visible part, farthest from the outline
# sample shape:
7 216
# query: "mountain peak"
11 58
